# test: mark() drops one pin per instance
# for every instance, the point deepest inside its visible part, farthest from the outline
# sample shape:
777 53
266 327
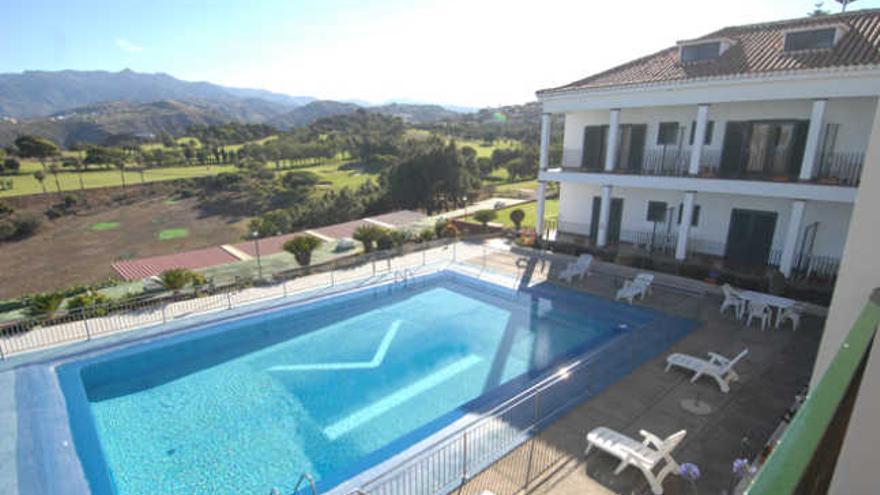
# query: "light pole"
257 248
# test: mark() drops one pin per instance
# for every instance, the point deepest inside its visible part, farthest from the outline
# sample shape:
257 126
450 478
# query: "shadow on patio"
775 371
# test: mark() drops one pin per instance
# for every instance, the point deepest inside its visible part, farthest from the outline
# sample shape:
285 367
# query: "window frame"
700 56
660 133
787 44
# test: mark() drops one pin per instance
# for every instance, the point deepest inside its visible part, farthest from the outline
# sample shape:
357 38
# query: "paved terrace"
777 367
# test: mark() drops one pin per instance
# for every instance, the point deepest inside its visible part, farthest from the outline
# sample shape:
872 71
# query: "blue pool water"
328 388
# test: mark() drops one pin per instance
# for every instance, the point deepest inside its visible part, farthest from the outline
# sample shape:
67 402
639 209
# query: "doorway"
750 237
614 219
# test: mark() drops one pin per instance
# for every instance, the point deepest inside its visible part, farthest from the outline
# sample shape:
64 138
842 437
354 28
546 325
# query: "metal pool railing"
33 334
515 425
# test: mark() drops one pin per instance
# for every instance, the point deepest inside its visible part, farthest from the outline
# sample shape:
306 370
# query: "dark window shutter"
656 211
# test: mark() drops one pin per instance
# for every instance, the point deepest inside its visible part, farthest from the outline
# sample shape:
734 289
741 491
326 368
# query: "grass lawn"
111 225
500 189
25 183
333 176
168 234
551 209
484 150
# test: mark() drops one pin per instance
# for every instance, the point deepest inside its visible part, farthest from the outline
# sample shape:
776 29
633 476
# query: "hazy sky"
466 52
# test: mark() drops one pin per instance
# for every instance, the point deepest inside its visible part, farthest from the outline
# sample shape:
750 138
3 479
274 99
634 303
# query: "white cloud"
128 46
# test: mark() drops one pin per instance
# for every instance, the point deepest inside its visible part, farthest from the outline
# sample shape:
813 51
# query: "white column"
811 149
611 146
684 229
543 160
791 237
544 157
604 215
539 223
699 137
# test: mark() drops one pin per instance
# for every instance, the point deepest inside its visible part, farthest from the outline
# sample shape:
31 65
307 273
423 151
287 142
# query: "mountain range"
94 106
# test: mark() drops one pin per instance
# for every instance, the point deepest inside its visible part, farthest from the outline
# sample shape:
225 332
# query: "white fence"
320 280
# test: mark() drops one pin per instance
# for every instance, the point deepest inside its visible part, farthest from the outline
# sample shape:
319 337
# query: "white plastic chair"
644 456
717 367
732 299
792 313
759 310
577 268
639 287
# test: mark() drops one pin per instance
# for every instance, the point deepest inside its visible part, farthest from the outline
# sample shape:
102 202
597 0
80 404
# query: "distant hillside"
413 114
43 93
306 114
100 122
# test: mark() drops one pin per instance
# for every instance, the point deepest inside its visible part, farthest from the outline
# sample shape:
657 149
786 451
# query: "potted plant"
301 248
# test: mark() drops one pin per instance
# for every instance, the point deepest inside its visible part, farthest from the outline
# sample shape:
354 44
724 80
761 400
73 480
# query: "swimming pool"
330 387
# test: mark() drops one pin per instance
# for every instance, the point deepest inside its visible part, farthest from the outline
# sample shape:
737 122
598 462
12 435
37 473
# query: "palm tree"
121 166
40 176
301 248
53 169
78 164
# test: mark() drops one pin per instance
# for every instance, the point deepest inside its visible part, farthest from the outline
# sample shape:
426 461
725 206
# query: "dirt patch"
68 251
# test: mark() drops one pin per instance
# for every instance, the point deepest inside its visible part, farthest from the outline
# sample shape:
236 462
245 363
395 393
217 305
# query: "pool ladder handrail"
303 477
404 275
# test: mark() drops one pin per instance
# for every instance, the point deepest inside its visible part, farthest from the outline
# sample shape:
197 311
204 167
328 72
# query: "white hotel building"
746 144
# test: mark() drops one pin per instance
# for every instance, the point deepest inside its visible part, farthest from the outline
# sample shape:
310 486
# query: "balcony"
832 168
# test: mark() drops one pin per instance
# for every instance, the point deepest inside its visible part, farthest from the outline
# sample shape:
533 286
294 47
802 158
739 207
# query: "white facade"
833 111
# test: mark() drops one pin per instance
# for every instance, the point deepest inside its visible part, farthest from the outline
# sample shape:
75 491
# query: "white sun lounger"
637 287
645 455
577 268
717 367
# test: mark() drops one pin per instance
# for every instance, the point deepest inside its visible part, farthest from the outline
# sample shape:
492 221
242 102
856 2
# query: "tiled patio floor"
778 365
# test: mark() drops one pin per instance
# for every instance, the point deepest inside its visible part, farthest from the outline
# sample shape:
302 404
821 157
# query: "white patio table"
778 303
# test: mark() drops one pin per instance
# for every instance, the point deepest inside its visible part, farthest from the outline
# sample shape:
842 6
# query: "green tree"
11 165
485 216
301 248
517 216
36 147
40 176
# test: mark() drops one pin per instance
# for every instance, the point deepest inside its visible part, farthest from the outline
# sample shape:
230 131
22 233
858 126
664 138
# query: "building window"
710 129
815 39
695 220
656 211
668 133
700 52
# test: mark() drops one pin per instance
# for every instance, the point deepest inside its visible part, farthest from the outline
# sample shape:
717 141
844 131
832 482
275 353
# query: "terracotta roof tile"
756 48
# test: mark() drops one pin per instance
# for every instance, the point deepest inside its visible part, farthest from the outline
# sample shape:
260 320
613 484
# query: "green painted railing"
786 464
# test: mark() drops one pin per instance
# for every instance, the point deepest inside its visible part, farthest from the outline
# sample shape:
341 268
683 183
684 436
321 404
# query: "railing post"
454 244
284 287
2 354
423 256
484 257
88 332
373 261
464 455
164 317
229 299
